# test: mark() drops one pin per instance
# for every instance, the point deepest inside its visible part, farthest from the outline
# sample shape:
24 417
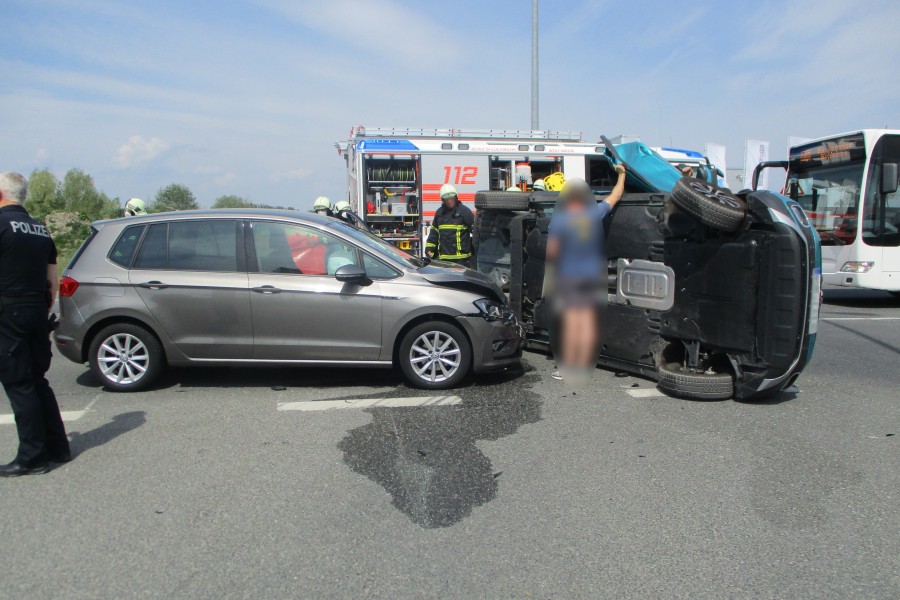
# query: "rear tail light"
67 287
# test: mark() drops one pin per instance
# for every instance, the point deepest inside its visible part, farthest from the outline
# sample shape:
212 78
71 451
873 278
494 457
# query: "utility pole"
534 65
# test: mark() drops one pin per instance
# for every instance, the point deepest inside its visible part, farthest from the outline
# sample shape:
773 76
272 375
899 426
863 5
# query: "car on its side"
272 287
713 294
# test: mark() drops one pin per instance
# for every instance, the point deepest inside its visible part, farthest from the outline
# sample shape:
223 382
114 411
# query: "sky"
249 97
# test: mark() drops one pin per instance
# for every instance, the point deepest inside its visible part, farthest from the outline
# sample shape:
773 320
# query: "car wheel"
501 200
435 355
126 358
715 207
676 380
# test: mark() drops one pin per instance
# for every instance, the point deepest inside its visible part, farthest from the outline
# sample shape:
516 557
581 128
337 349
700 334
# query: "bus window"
881 216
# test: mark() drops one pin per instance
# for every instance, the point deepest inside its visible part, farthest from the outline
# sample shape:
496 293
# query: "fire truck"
394 175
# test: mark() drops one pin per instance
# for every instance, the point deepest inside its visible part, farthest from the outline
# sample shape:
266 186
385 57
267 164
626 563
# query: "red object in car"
67 287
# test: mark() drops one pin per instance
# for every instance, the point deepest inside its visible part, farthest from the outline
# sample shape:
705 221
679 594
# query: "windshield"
826 178
373 242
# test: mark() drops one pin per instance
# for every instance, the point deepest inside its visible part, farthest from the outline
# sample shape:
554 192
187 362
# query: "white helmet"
321 203
135 206
448 189
513 188
539 185
341 205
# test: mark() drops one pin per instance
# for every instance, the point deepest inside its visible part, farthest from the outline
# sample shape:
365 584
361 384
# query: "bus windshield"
826 179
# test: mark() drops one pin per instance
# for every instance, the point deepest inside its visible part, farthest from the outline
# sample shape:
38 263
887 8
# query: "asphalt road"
204 489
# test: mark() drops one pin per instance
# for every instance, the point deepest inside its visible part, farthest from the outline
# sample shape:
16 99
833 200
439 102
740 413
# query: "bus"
847 185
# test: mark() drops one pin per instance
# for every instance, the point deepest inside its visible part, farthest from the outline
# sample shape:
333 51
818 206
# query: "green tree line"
68 207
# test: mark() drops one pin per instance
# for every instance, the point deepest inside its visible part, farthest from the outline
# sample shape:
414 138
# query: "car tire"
118 353
421 369
501 200
675 380
715 207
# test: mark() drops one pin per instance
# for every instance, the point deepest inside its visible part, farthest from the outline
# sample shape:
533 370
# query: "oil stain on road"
426 458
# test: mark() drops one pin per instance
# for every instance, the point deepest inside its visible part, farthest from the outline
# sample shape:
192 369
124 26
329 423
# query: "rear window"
123 250
190 246
82 248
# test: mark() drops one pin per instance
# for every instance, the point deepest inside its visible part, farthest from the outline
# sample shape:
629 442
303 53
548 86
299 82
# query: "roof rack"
519 134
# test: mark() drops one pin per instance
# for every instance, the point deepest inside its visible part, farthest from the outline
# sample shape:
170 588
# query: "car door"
192 277
300 311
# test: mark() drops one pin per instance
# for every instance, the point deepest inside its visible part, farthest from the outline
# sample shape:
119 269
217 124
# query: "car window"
152 254
209 245
123 250
376 269
299 250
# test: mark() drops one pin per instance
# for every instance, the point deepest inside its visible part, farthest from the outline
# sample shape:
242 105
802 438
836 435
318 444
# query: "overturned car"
712 294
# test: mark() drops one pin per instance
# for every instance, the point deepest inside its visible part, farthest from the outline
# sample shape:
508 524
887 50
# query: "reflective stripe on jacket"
451 233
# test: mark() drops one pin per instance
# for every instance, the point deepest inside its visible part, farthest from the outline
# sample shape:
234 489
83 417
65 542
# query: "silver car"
273 287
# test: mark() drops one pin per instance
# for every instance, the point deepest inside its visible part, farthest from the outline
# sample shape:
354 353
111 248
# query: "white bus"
847 184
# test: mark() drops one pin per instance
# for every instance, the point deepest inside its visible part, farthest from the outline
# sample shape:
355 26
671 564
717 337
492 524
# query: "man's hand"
620 169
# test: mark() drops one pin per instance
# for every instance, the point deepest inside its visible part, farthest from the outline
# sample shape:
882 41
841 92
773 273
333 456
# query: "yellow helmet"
554 182
322 203
539 185
341 205
448 189
135 206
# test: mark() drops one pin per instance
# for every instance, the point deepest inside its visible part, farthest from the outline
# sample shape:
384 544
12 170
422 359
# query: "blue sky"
248 97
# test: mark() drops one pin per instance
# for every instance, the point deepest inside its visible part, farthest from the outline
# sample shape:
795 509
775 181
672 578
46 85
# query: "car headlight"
857 266
493 310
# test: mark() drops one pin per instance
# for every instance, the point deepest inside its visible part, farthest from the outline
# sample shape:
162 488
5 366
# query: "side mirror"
889 178
351 274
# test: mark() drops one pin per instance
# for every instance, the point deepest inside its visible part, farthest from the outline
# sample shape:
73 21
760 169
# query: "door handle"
154 285
266 289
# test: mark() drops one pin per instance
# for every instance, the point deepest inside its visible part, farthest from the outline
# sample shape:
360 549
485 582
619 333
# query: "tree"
174 197
232 201
43 194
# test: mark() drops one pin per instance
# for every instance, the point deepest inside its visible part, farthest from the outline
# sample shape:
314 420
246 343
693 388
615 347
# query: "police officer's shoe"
61 458
14 469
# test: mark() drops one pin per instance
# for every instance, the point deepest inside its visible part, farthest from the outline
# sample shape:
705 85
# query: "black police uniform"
450 238
26 249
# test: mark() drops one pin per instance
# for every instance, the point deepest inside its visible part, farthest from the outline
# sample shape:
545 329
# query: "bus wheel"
715 207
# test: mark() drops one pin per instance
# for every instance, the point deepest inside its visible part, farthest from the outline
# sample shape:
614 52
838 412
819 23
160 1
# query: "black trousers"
24 360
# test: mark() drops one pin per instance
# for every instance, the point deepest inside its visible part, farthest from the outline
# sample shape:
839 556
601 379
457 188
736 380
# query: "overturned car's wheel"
501 200
715 207
126 358
675 379
435 355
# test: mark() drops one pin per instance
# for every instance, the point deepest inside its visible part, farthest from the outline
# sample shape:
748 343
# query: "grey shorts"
577 293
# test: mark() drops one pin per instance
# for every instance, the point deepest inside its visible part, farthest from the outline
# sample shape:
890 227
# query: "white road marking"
310 405
644 393
67 416
860 319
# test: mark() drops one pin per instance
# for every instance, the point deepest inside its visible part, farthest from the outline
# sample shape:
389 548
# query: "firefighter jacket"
451 233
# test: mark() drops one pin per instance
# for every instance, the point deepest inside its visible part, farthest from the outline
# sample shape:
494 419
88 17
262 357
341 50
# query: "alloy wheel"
435 356
123 359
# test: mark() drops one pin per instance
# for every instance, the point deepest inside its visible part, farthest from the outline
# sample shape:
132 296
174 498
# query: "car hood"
462 279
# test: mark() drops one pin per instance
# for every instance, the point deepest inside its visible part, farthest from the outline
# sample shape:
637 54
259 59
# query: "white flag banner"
716 155
755 152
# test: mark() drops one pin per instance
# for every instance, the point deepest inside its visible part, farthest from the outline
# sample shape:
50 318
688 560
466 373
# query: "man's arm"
431 243
617 191
552 248
53 281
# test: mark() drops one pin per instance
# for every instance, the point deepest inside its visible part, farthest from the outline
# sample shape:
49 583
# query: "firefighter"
322 206
28 284
135 207
342 211
450 237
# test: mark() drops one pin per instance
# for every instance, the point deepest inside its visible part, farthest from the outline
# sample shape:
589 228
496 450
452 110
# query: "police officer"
450 237
342 211
28 283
